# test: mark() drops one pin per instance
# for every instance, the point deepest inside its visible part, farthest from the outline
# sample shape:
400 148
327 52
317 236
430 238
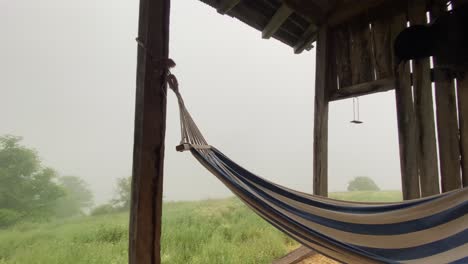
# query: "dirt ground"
318 259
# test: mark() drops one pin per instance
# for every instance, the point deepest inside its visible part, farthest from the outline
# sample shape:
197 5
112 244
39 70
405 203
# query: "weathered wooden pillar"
150 125
407 126
321 115
447 123
462 86
424 110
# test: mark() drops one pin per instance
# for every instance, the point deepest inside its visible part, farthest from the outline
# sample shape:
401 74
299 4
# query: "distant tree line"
30 191
362 184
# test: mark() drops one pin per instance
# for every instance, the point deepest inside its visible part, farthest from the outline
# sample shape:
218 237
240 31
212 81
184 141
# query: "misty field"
213 231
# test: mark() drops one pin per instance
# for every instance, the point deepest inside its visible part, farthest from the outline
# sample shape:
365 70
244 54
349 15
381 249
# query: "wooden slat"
306 40
372 87
462 86
340 42
463 120
276 21
226 5
406 124
321 116
382 43
360 51
424 109
150 125
447 123
296 256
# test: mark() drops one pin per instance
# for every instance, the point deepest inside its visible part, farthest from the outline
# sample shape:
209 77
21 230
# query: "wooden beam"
296 256
150 126
407 130
348 10
407 135
447 123
306 40
276 21
424 109
367 88
462 85
321 115
226 5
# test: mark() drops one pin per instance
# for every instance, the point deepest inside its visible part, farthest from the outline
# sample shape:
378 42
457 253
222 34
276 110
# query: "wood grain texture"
361 51
447 123
406 124
462 86
382 43
295 256
340 41
424 109
367 88
150 125
321 116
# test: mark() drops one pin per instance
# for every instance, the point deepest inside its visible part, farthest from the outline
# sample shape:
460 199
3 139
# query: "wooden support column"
150 125
424 109
462 86
447 123
406 118
321 115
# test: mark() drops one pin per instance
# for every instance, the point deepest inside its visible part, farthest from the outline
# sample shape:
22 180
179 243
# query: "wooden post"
407 129
150 125
447 123
321 115
462 86
424 109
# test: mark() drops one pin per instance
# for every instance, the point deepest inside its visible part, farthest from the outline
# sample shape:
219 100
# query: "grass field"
213 231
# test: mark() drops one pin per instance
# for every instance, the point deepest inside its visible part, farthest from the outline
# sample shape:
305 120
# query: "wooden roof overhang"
293 22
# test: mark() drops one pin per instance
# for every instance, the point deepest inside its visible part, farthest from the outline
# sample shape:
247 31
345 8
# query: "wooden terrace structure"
354 58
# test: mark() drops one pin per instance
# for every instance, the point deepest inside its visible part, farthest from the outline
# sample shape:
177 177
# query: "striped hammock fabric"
428 230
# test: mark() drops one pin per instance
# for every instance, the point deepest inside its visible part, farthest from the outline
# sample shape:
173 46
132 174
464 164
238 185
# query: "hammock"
428 230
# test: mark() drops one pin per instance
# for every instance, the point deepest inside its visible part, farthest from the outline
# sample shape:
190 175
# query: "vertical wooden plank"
406 124
447 123
150 124
321 115
340 39
424 109
381 37
462 86
361 51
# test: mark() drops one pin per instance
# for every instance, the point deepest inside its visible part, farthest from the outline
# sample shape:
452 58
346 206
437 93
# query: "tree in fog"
27 189
362 184
123 193
78 197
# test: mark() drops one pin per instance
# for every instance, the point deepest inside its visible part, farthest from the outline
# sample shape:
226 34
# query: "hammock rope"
428 230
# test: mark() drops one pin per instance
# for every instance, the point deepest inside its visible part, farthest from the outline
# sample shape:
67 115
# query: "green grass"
213 231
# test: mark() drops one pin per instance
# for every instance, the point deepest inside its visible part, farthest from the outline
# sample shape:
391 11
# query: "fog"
67 80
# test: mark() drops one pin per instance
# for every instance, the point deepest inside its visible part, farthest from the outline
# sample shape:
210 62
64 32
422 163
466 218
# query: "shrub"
103 210
8 217
362 184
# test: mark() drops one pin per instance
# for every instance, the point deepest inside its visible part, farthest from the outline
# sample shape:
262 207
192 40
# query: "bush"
362 184
103 210
8 217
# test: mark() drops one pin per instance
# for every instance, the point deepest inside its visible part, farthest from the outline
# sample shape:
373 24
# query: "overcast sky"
67 80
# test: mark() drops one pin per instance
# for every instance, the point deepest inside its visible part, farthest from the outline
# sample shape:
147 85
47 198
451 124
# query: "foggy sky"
67 78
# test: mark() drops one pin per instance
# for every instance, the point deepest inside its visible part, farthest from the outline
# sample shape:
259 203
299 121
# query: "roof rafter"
226 5
306 40
276 21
